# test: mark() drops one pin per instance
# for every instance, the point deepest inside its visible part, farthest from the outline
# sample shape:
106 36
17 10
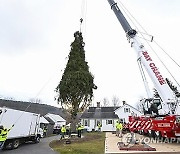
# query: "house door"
97 121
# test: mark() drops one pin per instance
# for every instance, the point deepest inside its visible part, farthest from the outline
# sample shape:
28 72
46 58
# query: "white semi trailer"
26 127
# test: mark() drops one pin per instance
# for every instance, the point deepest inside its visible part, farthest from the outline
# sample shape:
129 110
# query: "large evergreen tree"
75 89
173 87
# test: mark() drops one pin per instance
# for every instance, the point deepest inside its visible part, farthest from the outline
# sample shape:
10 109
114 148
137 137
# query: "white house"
107 116
104 115
125 111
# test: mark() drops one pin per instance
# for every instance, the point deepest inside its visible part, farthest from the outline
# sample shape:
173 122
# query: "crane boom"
126 26
168 98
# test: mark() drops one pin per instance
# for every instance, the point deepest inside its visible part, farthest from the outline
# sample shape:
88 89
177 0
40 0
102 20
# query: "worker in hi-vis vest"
3 135
79 129
120 127
99 127
63 131
117 130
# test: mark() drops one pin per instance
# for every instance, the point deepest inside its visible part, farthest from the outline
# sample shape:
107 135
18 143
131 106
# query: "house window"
127 110
86 122
109 122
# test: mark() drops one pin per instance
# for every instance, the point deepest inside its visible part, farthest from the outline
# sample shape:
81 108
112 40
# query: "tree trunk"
74 118
73 125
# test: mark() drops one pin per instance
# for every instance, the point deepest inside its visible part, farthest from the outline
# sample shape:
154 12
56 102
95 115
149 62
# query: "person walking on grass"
63 131
99 127
79 129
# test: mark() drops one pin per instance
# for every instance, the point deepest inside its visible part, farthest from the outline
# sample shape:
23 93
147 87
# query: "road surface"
31 148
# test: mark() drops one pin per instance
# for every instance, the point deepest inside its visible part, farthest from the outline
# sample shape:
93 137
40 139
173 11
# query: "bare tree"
105 102
115 101
10 98
35 100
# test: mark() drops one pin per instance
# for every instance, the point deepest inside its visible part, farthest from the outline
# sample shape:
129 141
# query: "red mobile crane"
160 117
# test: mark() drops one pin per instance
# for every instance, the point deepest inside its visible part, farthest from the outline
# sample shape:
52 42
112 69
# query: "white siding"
125 111
91 124
105 125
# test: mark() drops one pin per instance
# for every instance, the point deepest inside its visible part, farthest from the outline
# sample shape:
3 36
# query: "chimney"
124 102
98 104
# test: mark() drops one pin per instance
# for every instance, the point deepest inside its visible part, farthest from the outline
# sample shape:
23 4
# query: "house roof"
100 113
43 120
129 106
55 118
49 120
32 107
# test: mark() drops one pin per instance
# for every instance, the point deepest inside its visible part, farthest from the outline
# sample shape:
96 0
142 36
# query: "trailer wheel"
8 145
16 143
37 139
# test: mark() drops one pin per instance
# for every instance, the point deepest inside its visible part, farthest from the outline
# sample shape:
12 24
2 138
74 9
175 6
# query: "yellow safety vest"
63 129
45 130
99 125
119 126
80 127
3 135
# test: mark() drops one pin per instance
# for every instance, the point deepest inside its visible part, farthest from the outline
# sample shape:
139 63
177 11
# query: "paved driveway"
30 148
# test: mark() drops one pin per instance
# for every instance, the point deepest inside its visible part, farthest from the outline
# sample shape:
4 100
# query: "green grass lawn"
92 143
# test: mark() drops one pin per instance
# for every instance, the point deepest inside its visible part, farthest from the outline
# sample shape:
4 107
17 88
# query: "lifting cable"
128 12
83 17
130 16
144 77
170 58
32 102
162 62
43 87
82 29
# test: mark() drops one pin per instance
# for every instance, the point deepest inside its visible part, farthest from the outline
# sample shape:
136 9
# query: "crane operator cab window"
157 102
155 106
152 106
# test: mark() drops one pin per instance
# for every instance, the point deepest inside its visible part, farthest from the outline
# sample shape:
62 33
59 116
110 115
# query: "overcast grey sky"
35 38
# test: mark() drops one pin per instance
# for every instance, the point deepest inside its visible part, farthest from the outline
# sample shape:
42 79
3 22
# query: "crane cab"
151 106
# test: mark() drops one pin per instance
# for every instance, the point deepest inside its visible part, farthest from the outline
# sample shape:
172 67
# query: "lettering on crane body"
154 68
164 125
